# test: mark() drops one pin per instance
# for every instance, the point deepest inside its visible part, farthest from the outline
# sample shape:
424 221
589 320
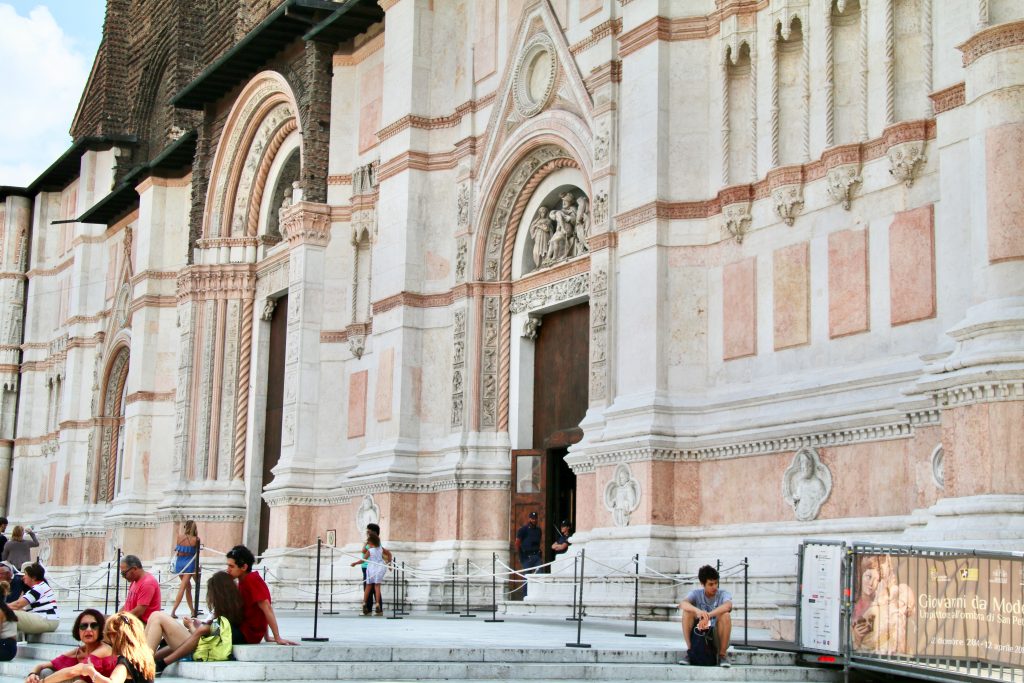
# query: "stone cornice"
202 283
980 392
343 495
611 27
413 300
992 39
684 28
417 161
948 98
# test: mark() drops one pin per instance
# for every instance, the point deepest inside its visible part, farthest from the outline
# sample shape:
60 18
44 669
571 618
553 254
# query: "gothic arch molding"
111 419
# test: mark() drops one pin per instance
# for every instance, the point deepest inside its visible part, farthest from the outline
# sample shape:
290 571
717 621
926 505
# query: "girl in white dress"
377 560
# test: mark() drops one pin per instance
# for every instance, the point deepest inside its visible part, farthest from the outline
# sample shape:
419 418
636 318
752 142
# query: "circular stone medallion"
535 76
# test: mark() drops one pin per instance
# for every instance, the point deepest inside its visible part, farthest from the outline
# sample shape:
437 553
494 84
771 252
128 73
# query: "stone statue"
582 225
622 495
806 484
540 231
565 223
368 513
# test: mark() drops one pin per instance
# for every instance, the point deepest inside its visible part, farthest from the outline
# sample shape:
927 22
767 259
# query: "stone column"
307 227
979 385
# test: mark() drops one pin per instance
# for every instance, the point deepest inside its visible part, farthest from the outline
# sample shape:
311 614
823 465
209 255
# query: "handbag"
215 647
702 648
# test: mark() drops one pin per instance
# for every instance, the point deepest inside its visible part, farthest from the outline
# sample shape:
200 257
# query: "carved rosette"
839 182
904 160
306 223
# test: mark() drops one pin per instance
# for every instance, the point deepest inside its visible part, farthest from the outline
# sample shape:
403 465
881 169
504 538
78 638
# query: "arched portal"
112 425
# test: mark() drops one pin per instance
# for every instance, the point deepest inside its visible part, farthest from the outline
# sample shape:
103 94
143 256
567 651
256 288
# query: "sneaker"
378 613
723 661
366 611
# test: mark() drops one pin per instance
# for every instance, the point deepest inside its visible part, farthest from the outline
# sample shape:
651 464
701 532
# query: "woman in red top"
88 630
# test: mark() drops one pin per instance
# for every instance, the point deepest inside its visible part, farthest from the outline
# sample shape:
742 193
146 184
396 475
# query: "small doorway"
542 481
275 409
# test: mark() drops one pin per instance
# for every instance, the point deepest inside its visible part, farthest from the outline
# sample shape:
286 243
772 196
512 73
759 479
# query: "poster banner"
821 597
941 606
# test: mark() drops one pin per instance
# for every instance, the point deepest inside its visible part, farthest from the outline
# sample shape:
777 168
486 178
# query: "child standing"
377 560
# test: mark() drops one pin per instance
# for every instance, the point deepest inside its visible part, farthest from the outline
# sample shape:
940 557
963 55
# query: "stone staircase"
336 661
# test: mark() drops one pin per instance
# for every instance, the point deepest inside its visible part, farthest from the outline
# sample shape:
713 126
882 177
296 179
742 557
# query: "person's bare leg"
723 630
366 597
376 594
177 598
188 594
187 647
161 625
688 620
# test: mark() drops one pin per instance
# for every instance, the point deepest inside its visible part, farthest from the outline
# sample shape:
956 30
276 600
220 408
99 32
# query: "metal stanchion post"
198 579
746 618
453 610
78 600
106 593
117 581
403 585
467 614
316 597
330 593
636 599
582 611
494 591
575 570
394 593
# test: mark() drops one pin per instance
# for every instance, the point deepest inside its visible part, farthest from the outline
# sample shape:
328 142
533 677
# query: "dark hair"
3 520
223 598
131 561
5 590
90 612
707 573
372 538
375 528
242 555
34 571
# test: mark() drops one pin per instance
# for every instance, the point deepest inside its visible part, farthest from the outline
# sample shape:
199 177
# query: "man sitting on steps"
707 608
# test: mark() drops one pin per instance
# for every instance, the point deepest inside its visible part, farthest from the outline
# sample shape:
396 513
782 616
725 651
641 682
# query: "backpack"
215 647
702 648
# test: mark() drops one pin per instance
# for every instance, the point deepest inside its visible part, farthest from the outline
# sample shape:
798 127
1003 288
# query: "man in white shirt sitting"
37 608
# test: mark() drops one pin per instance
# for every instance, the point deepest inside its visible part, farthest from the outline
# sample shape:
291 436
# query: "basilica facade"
702 278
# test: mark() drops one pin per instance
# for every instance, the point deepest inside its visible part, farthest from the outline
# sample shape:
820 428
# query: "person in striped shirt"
38 606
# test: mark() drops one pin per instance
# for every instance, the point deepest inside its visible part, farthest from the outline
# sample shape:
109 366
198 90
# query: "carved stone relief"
531 328
461 256
737 219
788 201
806 484
268 309
559 232
600 208
599 336
622 495
840 181
458 367
462 205
938 467
904 160
535 76
489 363
563 290
368 513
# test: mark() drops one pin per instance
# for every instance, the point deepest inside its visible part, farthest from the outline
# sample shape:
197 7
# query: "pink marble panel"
587 502
357 404
64 488
791 287
739 309
370 94
514 13
437 266
1004 158
485 45
385 384
848 311
51 482
982 444
912 265
589 7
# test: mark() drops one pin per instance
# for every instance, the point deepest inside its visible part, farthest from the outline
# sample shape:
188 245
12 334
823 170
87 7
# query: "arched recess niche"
548 194
284 170
110 449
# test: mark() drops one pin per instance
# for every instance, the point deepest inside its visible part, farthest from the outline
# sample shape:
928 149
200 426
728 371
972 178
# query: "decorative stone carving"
364 179
939 467
458 366
600 208
357 344
368 513
840 181
489 363
531 329
535 76
806 484
121 302
268 309
602 143
307 223
737 220
904 160
622 495
788 201
560 232
563 290
461 256
462 204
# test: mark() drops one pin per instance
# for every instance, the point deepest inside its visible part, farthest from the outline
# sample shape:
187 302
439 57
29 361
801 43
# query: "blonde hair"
189 528
18 533
127 637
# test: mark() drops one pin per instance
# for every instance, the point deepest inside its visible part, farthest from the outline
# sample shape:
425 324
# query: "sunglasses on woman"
89 626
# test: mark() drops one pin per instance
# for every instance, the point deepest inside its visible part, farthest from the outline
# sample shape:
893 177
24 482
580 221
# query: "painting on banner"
939 606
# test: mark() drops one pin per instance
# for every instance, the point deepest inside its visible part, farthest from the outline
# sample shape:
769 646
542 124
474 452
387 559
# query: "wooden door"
529 475
274 412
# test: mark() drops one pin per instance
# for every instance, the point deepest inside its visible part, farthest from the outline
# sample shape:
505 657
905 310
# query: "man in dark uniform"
528 545
562 543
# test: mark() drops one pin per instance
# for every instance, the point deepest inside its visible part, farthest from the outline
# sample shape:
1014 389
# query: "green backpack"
215 647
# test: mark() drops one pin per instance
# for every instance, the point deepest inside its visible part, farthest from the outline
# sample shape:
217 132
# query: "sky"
46 51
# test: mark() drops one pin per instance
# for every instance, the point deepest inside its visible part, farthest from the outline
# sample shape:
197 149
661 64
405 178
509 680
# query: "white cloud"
43 77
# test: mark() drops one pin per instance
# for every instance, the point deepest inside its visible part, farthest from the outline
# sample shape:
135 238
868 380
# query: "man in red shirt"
257 614
144 590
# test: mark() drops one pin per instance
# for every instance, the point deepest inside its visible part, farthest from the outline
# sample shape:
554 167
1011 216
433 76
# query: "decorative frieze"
556 292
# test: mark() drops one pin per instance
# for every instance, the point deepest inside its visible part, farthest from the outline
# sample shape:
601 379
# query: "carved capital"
788 201
904 160
840 181
737 220
306 223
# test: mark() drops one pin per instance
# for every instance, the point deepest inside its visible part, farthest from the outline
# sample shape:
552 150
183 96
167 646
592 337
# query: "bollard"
494 591
636 598
316 597
467 614
117 582
330 593
575 569
394 593
197 579
453 610
582 611
746 619
106 593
